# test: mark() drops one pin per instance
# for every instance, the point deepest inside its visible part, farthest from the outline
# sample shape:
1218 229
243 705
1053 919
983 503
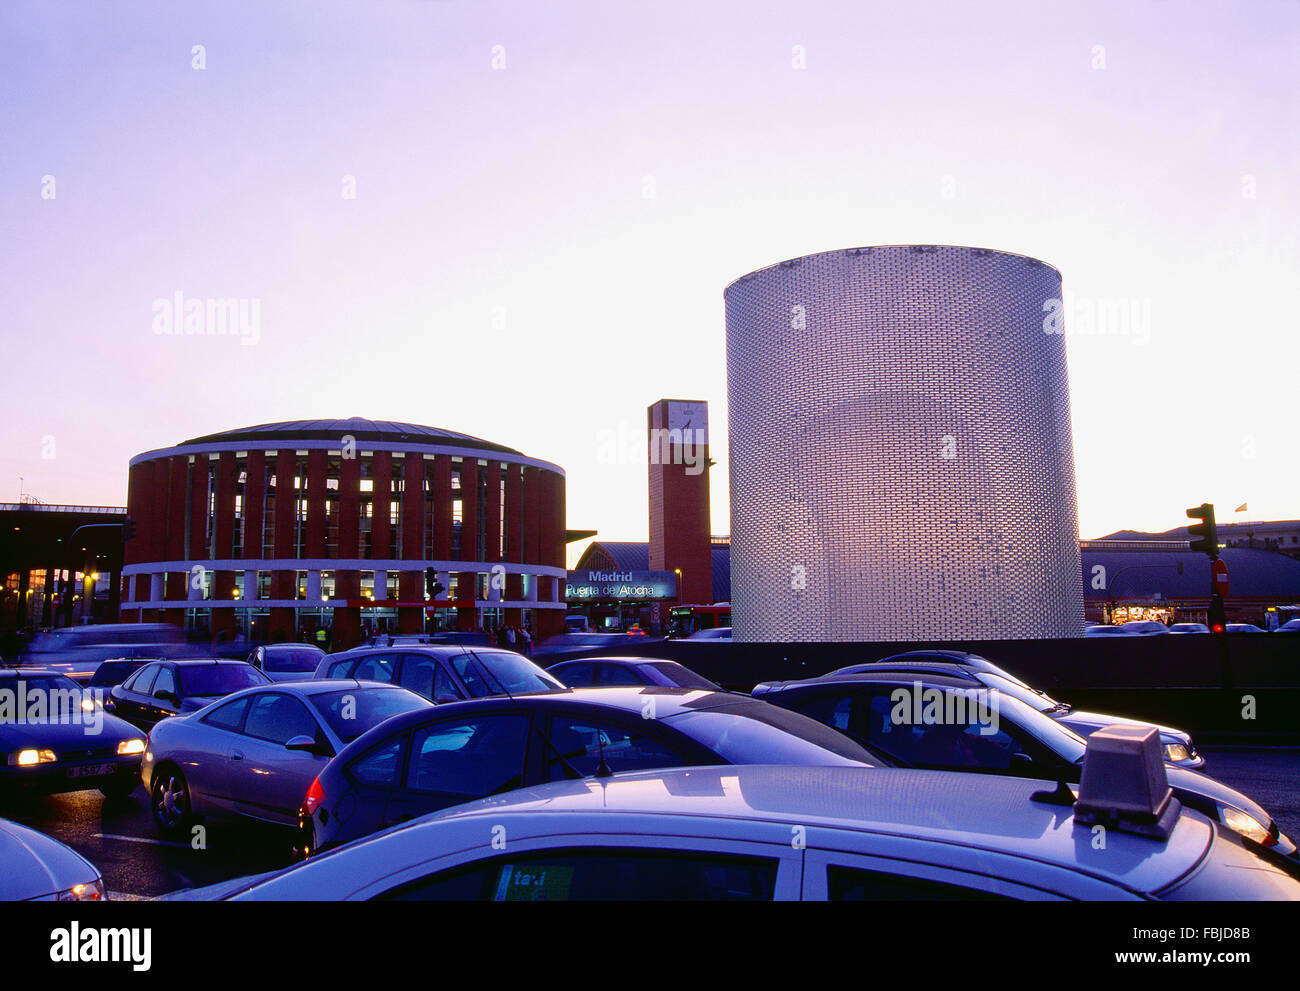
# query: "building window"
326 585
332 470
366 508
241 479
480 527
457 513
214 466
501 550
430 496
268 511
300 590
264 584
367 584
300 509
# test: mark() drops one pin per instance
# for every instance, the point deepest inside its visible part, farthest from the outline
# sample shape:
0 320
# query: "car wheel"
170 802
119 788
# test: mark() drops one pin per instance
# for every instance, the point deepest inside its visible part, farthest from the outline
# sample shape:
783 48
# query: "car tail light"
315 795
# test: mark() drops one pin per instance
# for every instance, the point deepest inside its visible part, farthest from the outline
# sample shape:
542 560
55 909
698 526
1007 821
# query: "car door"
163 698
425 675
128 697
211 740
460 759
267 780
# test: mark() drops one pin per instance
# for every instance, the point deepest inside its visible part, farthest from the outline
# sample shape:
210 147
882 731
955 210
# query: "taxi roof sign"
1124 785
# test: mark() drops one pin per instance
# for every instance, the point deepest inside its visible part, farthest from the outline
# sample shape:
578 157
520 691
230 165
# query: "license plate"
90 771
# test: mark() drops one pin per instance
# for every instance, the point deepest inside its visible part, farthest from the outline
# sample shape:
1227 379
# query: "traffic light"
1205 536
1218 621
431 584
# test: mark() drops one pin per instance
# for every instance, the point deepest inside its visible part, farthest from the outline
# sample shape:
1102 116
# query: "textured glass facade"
901 458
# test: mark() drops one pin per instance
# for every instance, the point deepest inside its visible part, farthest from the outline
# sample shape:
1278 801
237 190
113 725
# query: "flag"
1240 509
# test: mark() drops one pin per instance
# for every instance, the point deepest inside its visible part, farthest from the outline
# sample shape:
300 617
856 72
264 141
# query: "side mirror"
308 745
444 697
162 695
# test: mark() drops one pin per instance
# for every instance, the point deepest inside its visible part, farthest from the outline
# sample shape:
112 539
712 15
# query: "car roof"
23 672
316 686
957 678
991 813
623 662
440 650
194 662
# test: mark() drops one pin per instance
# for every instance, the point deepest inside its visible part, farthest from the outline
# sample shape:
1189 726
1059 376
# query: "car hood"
1181 779
36 865
54 735
1086 723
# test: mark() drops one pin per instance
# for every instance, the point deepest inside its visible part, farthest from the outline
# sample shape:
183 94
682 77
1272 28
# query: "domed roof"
387 431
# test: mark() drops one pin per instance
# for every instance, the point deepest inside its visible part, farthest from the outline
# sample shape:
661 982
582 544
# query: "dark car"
424 761
442 673
169 688
1009 736
608 672
114 672
287 661
69 744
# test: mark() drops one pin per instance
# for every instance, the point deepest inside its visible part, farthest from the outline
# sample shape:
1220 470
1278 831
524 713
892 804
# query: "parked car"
442 673
38 868
1189 628
114 672
1143 628
1243 628
724 833
168 688
254 754
1021 740
287 661
76 651
69 745
1105 631
1290 626
395 639
1179 749
605 672
425 761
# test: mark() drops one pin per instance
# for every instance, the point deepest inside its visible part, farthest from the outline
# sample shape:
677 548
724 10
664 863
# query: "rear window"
669 673
296 660
758 733
215 680
490 672
353 711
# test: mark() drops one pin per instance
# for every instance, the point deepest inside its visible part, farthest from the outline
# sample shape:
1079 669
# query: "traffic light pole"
1206 539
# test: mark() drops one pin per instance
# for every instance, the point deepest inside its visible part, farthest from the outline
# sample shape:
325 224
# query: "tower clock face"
692 417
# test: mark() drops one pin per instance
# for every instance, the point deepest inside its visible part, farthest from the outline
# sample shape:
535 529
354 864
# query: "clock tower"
678 433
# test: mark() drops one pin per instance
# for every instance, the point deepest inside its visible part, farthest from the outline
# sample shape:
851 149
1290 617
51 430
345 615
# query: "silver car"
287 661
38 868
254 753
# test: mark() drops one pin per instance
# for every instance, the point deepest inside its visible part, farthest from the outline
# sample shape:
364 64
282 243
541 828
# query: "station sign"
596 585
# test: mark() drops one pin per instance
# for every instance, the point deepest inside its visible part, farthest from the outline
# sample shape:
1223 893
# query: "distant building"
900 448
284 530
1282 536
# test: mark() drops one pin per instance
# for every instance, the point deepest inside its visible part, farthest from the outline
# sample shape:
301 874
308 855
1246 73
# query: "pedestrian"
510 637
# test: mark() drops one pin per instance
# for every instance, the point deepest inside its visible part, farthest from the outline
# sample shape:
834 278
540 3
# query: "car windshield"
1039 700
488 672
283 660
215 680
353 711
754 732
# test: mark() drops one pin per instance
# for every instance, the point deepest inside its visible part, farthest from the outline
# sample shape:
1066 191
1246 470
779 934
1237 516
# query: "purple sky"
503 270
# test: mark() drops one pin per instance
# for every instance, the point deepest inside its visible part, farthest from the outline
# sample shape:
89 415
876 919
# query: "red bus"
685 620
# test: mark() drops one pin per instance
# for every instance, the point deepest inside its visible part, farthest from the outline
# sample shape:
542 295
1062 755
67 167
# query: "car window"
165 682
215 680
143 681
962 742
576 675
376 667
295 659
600 875
339 669
229 716
754 732
488 672
423 675
353 711
470 758
278 718
832 708
379 767
581 741
618 674
670 673
851 884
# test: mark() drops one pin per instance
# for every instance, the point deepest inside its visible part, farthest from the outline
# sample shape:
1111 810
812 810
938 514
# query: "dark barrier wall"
1241 688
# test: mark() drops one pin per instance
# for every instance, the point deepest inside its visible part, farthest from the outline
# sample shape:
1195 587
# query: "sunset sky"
516 219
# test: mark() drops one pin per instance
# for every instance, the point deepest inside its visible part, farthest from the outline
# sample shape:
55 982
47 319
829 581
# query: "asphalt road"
119 837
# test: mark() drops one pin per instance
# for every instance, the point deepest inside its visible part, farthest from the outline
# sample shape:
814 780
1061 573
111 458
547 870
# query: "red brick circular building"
282 530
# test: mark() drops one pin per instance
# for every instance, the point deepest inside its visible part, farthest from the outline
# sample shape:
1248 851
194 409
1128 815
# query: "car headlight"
1245 824
92 891
26 758
1176 752
135 746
